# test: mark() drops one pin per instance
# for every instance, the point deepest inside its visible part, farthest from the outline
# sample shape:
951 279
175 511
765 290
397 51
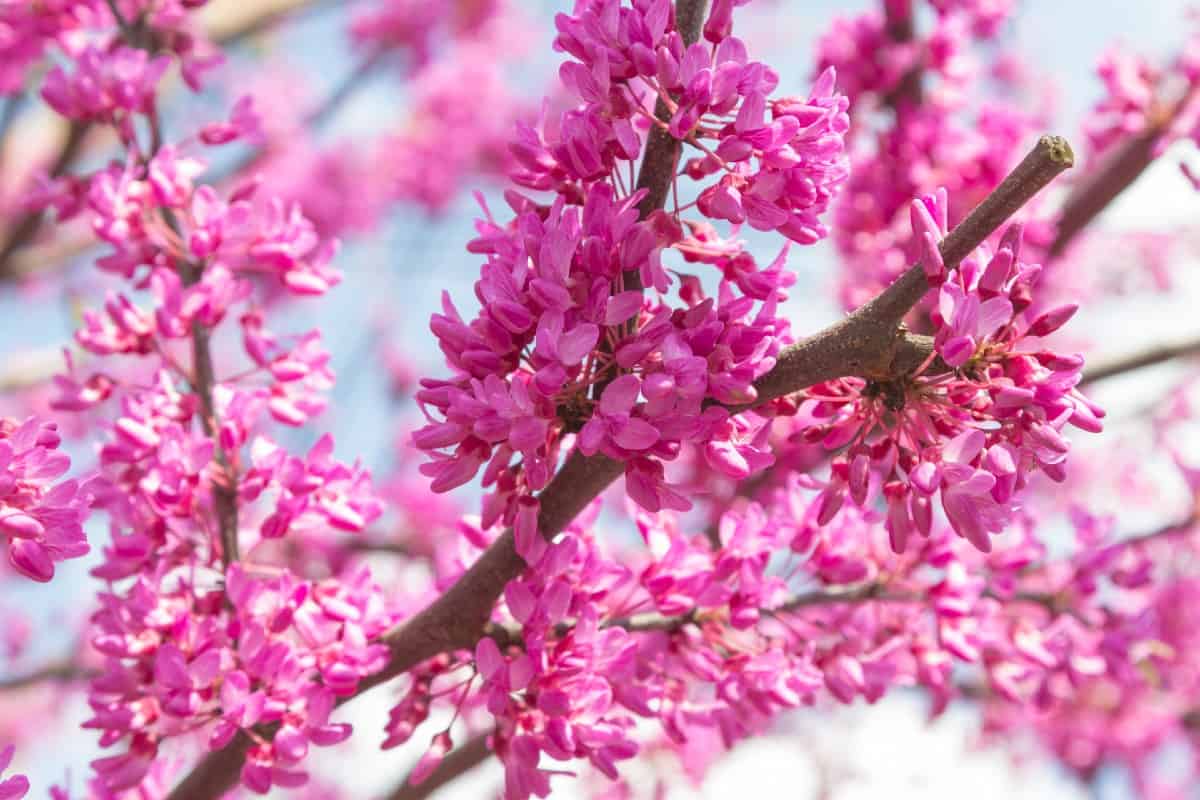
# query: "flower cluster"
780 160
566 341
932 131
194 639
972 435
27 30
182 652
41 520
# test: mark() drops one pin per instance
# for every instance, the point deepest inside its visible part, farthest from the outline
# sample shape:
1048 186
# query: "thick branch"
866 340
457 763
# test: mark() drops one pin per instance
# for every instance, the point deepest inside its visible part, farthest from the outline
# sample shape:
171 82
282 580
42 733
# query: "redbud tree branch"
457 763
204 381
58 672
1123 164
1115 173
1150 357
869 342
901 27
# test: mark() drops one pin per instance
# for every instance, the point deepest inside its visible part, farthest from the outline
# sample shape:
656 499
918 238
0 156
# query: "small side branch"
61 672
1146 358
457 763
1116 173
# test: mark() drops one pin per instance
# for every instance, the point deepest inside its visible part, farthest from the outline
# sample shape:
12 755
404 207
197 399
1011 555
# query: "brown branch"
204 381
230 22
387 548
1146 358
661 160
26 227
870 342
1167 531
224 488
1116 172
869 592
899 25
510 636
1118 169
60 672
457 763
867 342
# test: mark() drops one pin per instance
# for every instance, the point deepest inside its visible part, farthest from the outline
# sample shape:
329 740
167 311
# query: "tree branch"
870 342
866 342
25 228
60 672
661 160
1127 161
1146 358
1123 164
457 763
900 26
230 22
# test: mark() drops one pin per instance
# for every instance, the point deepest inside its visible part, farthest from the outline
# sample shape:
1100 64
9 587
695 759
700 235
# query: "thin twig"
650 622
26 228
61 672
1145 358
457 763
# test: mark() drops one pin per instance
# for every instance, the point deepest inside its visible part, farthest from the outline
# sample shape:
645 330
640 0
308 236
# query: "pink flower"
42 520
612 427
13 787
106 82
